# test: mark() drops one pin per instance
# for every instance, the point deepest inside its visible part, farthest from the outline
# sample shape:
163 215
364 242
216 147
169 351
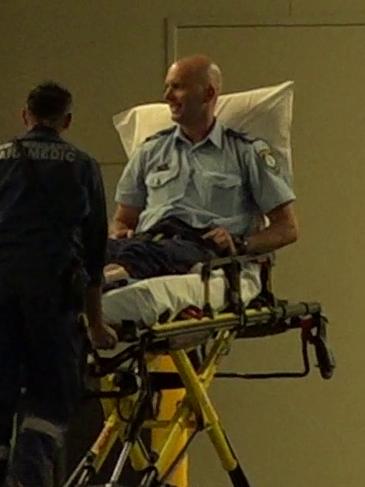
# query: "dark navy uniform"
53 231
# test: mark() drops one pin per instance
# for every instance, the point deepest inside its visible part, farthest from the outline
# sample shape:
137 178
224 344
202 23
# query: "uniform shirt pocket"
162 186
223 193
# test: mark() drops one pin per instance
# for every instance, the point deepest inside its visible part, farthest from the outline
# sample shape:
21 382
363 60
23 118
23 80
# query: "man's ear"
67 121
209 93
25 117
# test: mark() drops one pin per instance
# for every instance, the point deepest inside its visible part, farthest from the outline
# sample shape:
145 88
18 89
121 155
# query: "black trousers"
42 348
169 247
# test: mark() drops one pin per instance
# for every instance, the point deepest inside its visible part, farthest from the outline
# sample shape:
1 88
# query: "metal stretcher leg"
196 410
168 405
196 386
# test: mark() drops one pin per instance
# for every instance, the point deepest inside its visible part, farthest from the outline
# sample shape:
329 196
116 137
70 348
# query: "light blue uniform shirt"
224 180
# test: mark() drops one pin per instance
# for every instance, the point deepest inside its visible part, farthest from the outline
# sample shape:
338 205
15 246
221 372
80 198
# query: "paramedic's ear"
26 117
67 121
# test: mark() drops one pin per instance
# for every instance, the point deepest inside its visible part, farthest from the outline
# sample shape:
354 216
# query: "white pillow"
265 113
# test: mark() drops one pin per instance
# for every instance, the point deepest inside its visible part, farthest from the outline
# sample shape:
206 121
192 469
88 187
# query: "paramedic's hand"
222 238
103 337
121 233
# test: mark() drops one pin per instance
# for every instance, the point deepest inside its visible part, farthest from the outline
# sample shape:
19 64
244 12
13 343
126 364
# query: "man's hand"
222 238
114 272
103 337
121 233
124 222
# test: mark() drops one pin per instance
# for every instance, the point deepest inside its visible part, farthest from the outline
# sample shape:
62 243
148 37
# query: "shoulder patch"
161 133
264 152
238 135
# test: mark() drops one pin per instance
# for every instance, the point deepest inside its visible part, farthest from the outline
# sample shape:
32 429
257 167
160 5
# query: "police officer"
207 176
52 243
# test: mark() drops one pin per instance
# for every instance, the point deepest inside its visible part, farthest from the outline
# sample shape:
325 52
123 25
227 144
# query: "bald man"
198 189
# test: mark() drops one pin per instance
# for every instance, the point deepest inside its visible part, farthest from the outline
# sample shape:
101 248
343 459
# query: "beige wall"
112 54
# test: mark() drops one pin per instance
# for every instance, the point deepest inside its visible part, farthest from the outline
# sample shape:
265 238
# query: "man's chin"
175 117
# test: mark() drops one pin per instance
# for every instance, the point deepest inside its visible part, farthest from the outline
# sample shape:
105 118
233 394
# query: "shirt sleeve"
131 188
269 183
95 228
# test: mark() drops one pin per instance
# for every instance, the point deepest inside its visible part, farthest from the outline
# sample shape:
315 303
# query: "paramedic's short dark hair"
49 101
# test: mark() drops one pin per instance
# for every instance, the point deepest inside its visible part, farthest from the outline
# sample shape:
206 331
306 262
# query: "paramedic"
52 247
203 176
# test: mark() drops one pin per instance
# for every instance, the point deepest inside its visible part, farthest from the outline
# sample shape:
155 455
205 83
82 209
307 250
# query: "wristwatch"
241 244
244 247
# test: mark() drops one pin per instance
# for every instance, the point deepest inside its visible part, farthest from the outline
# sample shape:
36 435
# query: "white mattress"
145 301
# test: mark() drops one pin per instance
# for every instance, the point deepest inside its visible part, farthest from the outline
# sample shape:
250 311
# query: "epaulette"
167 131
238 135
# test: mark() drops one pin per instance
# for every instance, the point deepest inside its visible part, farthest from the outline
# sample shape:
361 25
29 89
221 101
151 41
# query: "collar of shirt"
42 132
215 136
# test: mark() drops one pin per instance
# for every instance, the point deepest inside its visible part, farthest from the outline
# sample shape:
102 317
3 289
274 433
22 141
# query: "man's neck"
42 126
33 124
198 132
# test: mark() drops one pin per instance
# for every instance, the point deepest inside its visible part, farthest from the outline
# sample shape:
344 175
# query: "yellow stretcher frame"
194 411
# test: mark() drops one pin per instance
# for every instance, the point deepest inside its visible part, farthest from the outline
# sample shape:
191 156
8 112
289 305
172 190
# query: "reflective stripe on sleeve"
56 431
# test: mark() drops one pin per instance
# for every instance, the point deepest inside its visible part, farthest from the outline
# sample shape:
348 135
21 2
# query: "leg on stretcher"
130 394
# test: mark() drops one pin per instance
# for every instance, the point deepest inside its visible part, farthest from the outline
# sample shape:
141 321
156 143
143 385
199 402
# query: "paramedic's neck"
198 132
59 125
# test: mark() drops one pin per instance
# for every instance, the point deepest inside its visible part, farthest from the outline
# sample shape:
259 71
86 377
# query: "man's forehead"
181 73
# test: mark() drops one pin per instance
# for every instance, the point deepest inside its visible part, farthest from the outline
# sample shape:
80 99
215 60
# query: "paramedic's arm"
124 221
94 239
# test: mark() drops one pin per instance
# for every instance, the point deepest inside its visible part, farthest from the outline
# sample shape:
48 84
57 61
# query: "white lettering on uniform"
55 153
33 151
70 156
44 152
5 150
14 153
38 150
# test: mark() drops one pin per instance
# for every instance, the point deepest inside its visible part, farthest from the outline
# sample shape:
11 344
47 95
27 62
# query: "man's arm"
94 235
130 196
283 230
102 336
124 221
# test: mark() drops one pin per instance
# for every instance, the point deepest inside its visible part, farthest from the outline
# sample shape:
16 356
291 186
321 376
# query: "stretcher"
176 331
132 384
